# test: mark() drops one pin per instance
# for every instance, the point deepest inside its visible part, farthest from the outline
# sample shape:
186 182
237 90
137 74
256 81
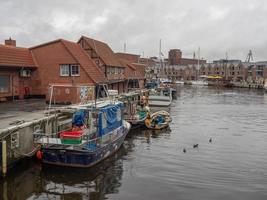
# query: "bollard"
4 158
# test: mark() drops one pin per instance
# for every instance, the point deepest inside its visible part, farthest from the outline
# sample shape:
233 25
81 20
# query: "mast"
198 55
124 48
160 60
160 49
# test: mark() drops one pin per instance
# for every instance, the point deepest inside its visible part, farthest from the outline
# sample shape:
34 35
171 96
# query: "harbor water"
229 126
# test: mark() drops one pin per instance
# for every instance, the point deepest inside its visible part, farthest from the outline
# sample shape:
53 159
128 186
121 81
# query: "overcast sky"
217 26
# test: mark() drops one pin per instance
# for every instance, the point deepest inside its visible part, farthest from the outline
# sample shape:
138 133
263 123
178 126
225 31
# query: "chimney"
10 42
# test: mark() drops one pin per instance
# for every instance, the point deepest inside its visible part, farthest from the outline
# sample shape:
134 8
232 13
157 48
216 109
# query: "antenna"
249 56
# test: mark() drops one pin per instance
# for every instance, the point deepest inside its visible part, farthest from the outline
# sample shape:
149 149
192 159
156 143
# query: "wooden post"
4 158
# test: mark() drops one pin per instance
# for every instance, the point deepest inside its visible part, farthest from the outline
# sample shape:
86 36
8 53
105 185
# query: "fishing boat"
137 116
136 109
96 134
158 120
160 99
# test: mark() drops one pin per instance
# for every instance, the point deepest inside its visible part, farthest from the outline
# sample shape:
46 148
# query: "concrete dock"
19 121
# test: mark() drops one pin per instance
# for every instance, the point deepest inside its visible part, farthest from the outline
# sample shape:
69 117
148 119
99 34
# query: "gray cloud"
217 26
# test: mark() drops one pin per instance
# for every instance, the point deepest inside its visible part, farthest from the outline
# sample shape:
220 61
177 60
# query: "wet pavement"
17 111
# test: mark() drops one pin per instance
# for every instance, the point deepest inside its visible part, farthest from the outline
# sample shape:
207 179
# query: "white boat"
179 82
113 92
199 82
160 100
202 81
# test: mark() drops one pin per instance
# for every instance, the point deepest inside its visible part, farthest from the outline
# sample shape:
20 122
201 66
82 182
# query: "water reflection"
34 181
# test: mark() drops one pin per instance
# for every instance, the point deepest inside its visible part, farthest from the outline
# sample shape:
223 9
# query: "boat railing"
53 139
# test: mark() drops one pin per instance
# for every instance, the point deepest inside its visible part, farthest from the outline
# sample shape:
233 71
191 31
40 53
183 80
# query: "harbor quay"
67 72
22 120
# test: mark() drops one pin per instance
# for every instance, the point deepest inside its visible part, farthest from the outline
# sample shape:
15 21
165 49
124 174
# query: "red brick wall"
18 85
48 58
175 56
188 61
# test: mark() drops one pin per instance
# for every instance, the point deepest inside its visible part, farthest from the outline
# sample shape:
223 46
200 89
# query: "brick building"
106 60
135 71
63 63
16 67
175 58
237 71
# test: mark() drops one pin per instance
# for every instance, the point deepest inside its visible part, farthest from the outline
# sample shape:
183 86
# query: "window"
75 70
69 70
4 83
64 70
108 70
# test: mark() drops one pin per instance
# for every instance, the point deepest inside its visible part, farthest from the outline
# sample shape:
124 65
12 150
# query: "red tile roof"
11 56
85 61
140 70
132 70
133 58
78 53
103 51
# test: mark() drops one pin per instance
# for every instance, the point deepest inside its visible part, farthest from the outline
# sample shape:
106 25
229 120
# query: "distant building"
237 71
135 71
175 58
222 61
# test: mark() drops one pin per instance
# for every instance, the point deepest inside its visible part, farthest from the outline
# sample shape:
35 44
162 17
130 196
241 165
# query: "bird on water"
184 150
210 140
195 146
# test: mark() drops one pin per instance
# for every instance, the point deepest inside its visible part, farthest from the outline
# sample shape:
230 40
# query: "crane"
249 56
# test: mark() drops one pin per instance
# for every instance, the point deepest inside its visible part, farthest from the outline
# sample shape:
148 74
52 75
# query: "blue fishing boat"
96 134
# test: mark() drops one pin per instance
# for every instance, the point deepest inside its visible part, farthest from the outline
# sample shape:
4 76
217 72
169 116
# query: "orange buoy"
39 155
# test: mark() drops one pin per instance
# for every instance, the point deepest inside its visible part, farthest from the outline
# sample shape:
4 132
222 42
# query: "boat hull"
82 158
